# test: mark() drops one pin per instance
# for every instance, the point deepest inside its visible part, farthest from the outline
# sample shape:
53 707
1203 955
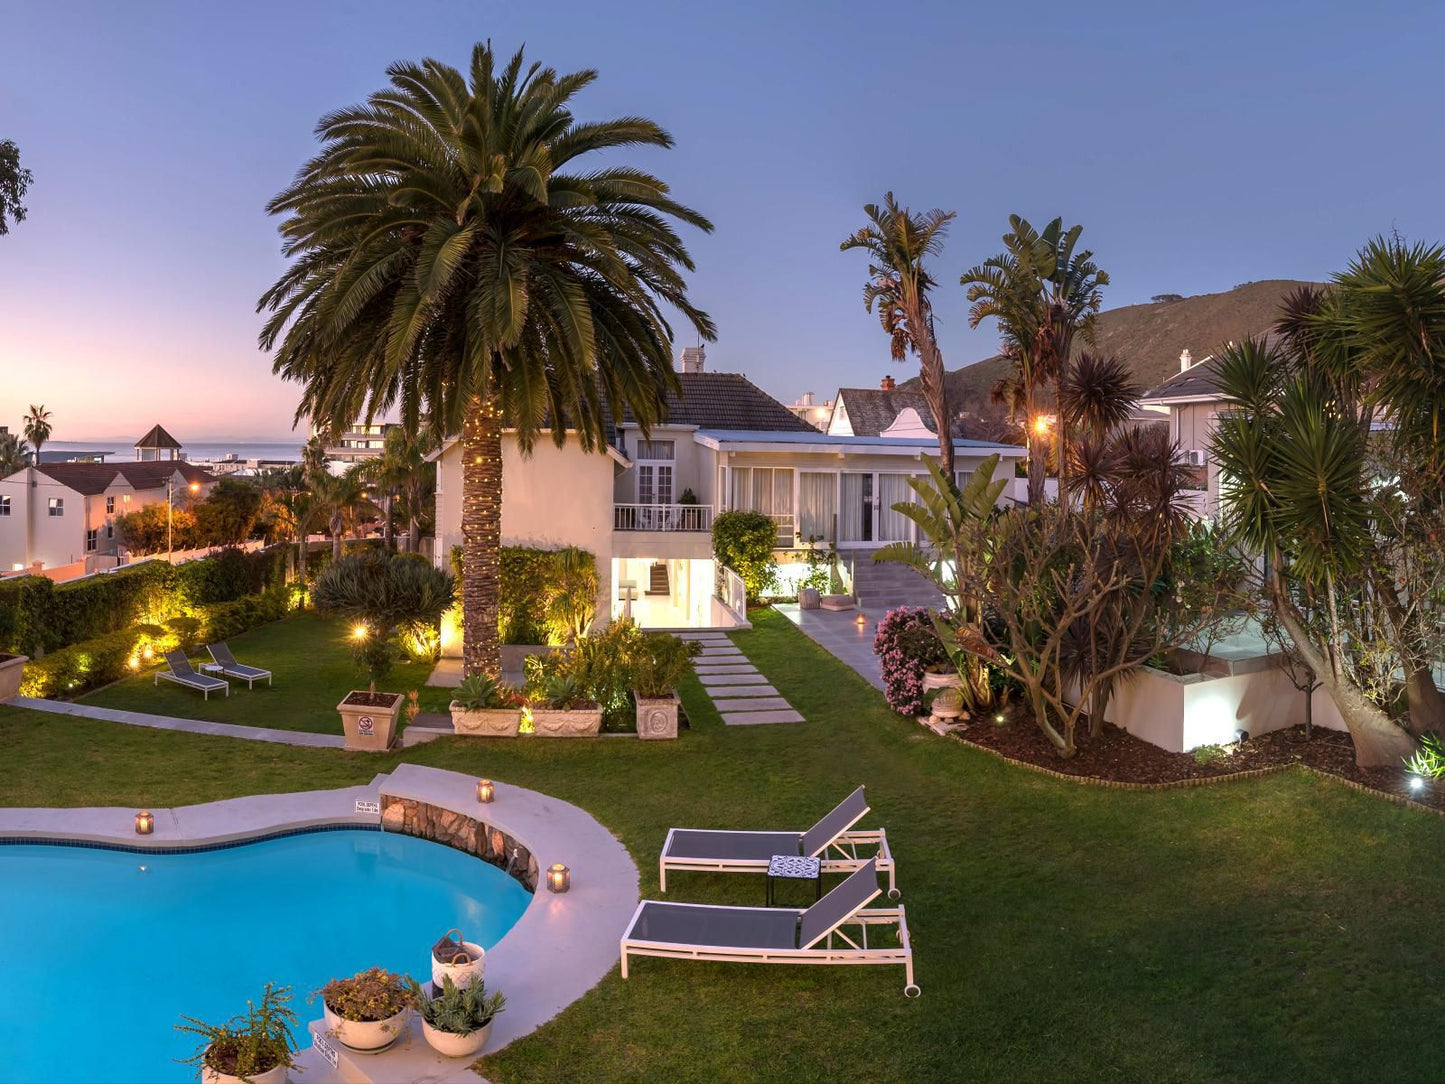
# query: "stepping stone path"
740 693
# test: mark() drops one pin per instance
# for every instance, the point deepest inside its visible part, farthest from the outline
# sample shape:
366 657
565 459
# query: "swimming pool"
103 950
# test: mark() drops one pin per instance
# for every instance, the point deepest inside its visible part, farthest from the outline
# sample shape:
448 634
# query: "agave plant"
457 1010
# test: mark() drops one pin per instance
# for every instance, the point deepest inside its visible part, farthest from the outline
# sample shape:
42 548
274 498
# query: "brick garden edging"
463 833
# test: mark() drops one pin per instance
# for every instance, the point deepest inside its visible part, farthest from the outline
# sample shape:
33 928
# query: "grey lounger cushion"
181 671
746 846
221 653
723 927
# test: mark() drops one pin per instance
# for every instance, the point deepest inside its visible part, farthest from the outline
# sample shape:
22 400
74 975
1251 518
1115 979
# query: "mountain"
1149 337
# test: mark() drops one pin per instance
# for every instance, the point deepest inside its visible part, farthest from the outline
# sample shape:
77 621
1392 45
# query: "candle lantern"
145 823
486 790
559 877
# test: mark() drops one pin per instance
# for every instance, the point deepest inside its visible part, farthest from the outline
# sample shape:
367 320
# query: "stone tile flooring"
839 632
741 694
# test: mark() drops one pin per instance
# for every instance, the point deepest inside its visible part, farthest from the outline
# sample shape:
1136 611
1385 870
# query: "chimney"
887 384
1185 361
693 359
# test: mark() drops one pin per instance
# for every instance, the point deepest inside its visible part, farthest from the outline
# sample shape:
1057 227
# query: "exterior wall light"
145 822
559 877
486 791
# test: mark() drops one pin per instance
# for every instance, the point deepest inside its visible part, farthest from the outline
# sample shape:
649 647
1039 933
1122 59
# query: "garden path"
191 726
737 689
839 633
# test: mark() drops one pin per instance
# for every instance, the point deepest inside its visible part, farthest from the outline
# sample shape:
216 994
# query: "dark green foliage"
481 691
73 670
14 180
540 583
228 514
659 662
744 542
49 616
229 574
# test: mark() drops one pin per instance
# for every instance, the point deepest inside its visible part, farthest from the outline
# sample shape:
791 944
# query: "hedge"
744 542
529 580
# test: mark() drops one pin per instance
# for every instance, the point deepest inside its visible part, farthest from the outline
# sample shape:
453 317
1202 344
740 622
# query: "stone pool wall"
462 832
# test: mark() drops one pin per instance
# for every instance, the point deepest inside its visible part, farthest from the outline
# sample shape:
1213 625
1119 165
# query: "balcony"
662 517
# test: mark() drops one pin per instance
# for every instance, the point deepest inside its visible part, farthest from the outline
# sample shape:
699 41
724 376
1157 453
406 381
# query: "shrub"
226 575
50 615
1428 761
250 1043
660 662
547 596
744 542
374 994
599 667
480 692
906 644
73 670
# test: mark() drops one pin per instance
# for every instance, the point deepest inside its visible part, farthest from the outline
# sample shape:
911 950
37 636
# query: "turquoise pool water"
101 951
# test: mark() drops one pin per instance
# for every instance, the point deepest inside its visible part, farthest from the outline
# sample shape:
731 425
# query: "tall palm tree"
37 428
341 502
897 242
454 256
14 454
1043 292
402 471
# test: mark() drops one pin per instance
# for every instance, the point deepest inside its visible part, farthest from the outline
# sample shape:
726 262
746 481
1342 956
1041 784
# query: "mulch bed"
1118 756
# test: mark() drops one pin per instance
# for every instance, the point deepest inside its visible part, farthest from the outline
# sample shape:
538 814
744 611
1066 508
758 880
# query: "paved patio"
840 634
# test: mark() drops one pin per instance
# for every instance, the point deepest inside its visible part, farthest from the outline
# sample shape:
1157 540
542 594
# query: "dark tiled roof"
728 401
93 478
157 438
1201 378
872 410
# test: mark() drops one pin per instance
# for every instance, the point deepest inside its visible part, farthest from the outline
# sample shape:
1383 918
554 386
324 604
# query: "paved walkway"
740 693
190 726
838 631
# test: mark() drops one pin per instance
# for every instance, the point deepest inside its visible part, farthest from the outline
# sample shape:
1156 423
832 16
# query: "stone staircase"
883 586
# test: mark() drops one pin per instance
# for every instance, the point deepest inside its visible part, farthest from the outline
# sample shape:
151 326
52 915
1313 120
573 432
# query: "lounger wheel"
894 893
912 990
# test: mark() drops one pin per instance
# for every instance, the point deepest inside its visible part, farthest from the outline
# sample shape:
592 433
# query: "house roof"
814 441
872 410
727 401
91 479
157 438
1199 381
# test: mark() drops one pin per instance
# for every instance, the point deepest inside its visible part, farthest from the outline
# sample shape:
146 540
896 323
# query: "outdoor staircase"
883 586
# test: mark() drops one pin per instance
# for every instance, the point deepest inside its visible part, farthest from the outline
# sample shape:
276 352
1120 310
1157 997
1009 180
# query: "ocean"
200 452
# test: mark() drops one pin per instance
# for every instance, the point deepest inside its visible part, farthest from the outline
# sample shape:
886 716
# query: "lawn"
313 669
1280 929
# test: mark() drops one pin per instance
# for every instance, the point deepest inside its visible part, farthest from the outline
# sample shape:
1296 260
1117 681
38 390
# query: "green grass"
1282 929
313 669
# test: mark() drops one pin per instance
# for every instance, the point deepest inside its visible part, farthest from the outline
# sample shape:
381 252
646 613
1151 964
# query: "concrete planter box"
657 717
366 1035
836 602
550 723
274 1075
486 722
451 1045
370 728
12 669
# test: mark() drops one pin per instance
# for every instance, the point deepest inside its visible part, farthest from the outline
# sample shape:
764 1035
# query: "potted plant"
455 958
563 709
366 1012
12 670
382 595
485 706
254 1047
457 1021
659 663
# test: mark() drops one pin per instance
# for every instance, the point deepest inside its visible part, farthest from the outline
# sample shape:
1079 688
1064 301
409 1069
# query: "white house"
645 507
1194 402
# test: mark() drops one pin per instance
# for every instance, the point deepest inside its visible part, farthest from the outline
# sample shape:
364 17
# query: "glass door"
817 506
893 526
855 508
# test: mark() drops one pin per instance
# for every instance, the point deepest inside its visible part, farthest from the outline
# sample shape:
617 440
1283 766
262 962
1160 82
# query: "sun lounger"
221 654
776 935
832 840
179 670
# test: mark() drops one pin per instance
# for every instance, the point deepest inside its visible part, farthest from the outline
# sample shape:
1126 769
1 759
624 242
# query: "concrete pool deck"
561 947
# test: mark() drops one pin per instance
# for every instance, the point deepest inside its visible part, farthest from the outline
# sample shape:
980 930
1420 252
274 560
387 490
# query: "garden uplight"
358 632
559 877
145 822
486 791
860 620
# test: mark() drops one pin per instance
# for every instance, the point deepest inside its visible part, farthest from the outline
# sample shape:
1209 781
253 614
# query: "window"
90 537
110 530
4 506
656 449
57 506
110 506
654 483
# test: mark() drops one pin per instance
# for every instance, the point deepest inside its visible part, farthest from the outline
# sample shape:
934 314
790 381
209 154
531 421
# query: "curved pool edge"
562 945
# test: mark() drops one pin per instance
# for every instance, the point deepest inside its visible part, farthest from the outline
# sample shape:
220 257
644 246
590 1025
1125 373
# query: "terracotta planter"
370 728
486 722
656 718
950 680
276 1075
12 669
550 723
457 1046
366 1036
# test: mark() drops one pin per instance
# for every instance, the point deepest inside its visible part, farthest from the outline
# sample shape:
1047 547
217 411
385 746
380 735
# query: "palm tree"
402 470
341 501
14 454
1043 293
450 259
897 242
37 428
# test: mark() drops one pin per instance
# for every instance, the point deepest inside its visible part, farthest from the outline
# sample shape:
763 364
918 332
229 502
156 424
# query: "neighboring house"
1193 400
363 441
869 412
57 515
158 445
814 413
645 507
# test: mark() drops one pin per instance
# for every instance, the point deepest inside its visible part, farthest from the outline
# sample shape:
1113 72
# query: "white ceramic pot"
366 1035
457 1046
270 1076
461 974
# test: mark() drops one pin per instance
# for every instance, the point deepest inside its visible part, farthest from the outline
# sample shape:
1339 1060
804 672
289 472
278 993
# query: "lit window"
57 506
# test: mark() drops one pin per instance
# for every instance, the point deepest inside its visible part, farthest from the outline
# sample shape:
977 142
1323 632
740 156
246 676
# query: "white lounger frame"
839 856
192 683
851 952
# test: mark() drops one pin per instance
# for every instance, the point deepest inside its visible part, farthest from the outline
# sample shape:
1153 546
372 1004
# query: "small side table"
795 867
212 668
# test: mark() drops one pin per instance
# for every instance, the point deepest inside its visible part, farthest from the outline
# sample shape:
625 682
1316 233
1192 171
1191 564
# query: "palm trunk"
1425 701
336 537
301 563
481 539
388 538
935 390
1037 458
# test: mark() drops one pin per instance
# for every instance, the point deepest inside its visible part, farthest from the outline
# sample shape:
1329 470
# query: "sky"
1200 146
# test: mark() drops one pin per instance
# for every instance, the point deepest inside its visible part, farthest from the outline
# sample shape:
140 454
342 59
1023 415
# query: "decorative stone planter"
950 680
549 723
274 1075
451 1045
370 727
656 717
486 722
12 670
366 1036
809 599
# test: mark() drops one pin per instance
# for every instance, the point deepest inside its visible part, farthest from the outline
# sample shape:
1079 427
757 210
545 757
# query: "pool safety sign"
363 806
325 1049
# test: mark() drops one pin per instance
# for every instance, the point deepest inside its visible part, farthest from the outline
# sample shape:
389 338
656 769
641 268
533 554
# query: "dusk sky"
1199 148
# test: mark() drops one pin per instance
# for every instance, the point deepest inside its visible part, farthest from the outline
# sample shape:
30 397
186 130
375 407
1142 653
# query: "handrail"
662 517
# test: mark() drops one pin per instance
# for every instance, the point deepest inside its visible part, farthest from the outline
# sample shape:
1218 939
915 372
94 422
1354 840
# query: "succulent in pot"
564 710
483 705
366 1012
457 1021
254 1047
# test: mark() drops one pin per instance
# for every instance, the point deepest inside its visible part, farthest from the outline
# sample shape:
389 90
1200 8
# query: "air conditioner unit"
1194 457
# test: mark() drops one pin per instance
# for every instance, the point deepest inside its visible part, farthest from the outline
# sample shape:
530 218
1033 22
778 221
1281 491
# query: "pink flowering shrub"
906 644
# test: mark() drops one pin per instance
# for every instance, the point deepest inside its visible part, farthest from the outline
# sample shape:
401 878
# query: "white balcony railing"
662 517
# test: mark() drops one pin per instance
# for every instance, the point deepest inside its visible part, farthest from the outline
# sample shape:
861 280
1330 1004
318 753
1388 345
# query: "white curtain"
742 493
892 489
851 510
817 501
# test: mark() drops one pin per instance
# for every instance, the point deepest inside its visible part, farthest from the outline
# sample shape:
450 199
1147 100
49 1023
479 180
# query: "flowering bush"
907 645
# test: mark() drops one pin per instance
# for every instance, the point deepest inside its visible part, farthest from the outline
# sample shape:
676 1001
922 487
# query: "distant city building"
364 440
814 413
158 445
